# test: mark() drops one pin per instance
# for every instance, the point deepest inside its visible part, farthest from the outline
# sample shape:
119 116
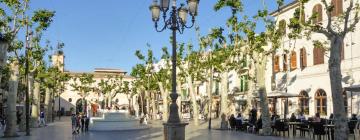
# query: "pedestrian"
73 123
2 121
87 120
42 119
82 119
18 116
78 123
232 122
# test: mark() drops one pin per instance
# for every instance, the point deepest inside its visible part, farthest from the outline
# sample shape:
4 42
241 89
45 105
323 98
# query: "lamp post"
174 129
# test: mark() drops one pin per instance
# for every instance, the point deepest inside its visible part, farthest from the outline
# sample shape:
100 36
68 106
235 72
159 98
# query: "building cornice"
285 8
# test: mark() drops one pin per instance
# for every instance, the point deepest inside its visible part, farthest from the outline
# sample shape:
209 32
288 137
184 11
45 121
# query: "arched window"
318 55
317 11
276 64
321 102
285 62
303 61
338 7
70 100
304 102
293 62
282 27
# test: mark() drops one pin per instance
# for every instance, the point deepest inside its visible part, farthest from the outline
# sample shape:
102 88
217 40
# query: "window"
282 27
216 88
293 61
304 102
285 63
276 64
321 102
303 60
318 55
244 83
317 12
70 100
338 7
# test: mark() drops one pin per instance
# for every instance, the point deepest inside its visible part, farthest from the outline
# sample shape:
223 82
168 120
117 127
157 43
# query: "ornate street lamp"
174 129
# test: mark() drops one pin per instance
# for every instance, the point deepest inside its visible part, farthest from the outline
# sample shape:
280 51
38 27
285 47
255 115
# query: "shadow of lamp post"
174 129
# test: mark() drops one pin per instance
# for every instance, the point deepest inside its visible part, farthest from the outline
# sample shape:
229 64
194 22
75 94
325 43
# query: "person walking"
78 123
87 119
42 119
82 119
73 123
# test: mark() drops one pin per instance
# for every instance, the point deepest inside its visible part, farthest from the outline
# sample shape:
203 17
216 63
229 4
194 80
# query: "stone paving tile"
62 131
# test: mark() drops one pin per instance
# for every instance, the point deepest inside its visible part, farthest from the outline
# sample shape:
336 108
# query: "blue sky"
106 33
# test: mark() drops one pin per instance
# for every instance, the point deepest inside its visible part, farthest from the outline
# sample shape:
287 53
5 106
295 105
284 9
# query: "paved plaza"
62 131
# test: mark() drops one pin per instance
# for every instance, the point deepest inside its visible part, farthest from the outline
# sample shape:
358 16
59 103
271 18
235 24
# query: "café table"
293 126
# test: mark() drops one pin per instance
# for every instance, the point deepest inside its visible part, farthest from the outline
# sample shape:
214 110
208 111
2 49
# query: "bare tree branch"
329 18
347 16
350 28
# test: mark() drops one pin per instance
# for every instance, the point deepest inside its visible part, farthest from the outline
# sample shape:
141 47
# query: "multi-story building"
70 98
300 68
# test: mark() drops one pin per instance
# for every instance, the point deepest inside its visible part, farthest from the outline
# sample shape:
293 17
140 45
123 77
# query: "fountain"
113 120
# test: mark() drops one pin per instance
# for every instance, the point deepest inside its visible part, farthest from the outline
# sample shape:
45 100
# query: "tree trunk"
109 100
47 105
260 73
224 99
153 104
209 92
147 97
10 130
340 119
35 104
164 95
3 56
193 100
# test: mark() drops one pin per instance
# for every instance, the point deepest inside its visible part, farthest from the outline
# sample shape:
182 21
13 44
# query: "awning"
353 88
281 94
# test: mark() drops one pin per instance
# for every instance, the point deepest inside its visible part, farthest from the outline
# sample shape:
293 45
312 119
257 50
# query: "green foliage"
43 18
83 83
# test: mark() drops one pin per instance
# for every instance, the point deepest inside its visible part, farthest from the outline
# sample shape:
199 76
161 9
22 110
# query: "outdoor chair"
238 125
357 131
318 130
282 126
303 128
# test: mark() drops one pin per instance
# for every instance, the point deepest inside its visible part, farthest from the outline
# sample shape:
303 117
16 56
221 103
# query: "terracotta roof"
109 70
284 8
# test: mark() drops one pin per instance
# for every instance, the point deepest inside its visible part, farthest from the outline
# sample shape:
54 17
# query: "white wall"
315 77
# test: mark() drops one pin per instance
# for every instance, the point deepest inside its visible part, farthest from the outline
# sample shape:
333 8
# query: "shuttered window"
293 62
321 102
303 60
276 64
282 27
317 10
285 62
318 55
338 7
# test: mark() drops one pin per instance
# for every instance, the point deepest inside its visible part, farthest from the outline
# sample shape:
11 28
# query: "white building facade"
300 68
70 98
